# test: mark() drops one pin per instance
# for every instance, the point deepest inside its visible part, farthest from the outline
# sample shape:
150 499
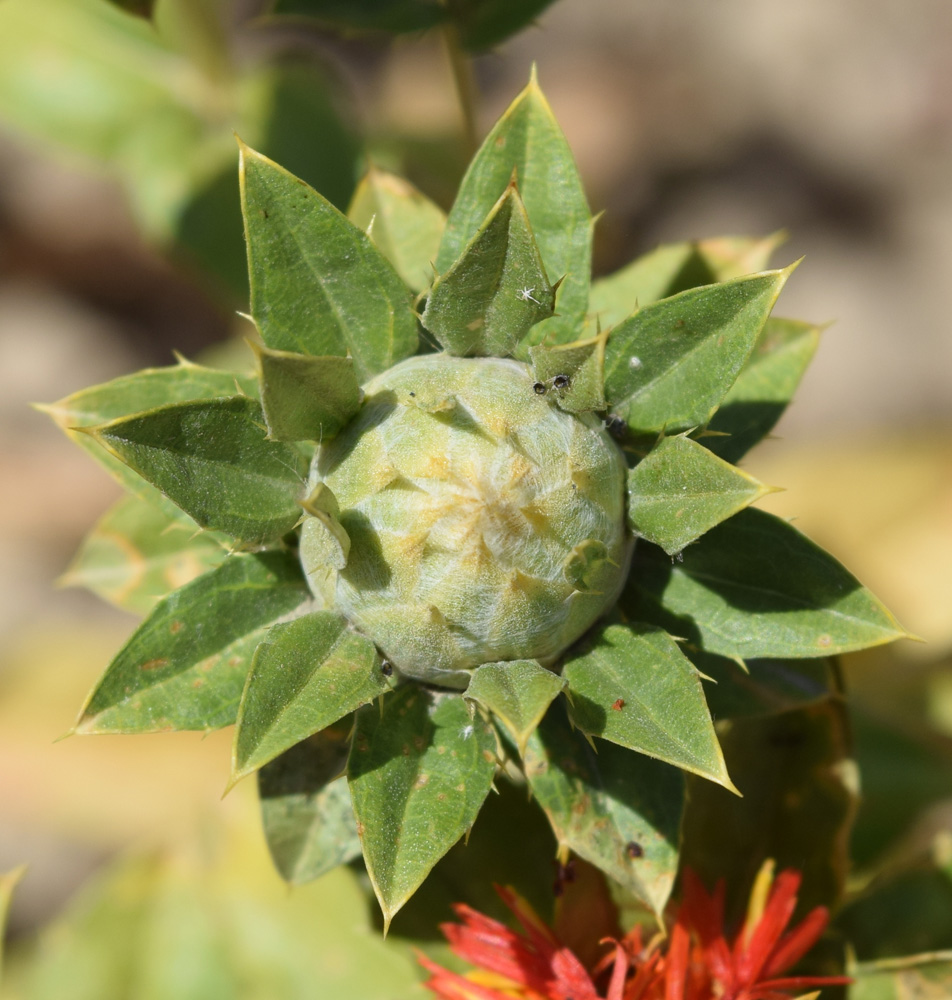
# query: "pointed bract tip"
790 268
69 732
726 782
92 431
534 74
233 780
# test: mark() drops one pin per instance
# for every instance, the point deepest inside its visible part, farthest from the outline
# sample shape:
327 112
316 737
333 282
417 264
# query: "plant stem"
462 69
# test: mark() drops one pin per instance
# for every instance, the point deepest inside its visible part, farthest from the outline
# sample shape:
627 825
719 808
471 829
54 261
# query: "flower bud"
484 523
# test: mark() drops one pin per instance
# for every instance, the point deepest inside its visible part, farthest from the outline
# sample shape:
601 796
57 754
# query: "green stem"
462 70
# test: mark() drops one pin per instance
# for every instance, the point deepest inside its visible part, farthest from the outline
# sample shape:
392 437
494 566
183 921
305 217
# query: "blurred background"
120 239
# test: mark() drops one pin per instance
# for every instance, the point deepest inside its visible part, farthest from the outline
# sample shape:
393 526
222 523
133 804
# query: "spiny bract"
466 518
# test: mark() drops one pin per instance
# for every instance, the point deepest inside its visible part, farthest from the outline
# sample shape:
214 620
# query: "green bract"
526 546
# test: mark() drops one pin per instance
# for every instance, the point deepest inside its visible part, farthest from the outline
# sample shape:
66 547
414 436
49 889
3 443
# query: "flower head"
696 962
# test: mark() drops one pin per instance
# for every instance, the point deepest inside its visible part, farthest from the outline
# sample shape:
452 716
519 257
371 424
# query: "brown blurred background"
831 119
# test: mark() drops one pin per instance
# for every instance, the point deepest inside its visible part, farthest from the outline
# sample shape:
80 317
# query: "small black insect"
561 382
412 393
634 850
615 426
538 388
386 668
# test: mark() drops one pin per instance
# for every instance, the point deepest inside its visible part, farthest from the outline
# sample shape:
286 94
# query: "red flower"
695 963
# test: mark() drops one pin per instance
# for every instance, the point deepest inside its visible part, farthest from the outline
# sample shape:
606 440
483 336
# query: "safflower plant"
473 518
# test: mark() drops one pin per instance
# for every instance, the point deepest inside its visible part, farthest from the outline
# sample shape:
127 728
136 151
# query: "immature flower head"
463 519
484 523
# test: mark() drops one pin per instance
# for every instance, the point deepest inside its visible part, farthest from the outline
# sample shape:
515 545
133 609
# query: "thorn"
589 740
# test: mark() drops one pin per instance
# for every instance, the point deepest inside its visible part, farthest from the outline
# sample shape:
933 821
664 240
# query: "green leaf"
511 843
528 140
517 692
306 398
419 771
762 687
403 223
293 113
212 459
754 586
907 773
306 675
675 267
480 24
185 666
483 24
633 686
799 790
618 810
921 894
84 76
318 284
305 806
132 394
681 490
496 290
908 977
670 365
397 16
142 8
140 551
764 387
575 373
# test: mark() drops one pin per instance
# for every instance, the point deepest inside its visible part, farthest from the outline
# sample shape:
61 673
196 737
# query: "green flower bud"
481 523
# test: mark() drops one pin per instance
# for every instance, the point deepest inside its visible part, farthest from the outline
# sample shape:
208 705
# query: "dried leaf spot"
422 780
461 787
618 704
360 829
198 682
441 750
824 641
488 757
175 628
154 664
634 850
418 743
405 750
